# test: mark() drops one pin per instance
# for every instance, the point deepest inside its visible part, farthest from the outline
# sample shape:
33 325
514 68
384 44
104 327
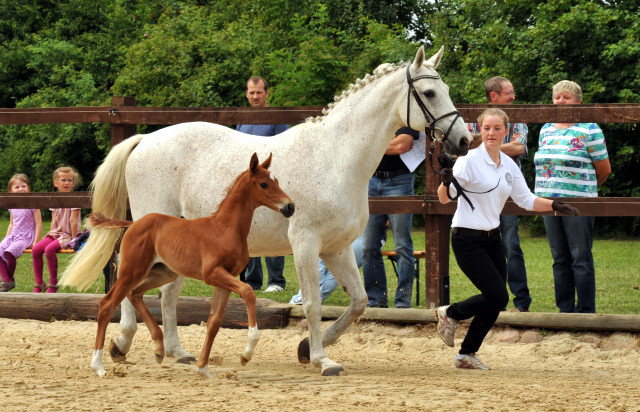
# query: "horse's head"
266 189
429 106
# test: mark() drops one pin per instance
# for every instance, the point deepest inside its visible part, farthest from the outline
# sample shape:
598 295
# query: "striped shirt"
564 160
61 225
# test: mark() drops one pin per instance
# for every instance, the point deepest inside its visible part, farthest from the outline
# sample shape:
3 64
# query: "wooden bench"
417 255
59 251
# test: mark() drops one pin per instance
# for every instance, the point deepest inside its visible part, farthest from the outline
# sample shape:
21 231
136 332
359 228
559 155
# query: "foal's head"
265 189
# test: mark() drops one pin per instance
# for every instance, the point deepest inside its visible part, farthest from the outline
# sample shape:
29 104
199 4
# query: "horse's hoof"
243 360
204 372
187 360
159 358
334 371
116 355
304 353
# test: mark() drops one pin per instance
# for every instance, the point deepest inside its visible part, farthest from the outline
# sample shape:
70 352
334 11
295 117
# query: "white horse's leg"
345 270
169 300
96 362
311 348
121 344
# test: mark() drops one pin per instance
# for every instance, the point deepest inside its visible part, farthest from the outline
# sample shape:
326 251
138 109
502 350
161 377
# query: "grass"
617 276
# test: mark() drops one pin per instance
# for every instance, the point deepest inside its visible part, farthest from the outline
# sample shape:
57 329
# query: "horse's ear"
267 162
434 61
254 162
417 62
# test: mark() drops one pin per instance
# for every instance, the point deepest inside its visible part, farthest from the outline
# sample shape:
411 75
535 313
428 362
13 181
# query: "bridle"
430 131
430 128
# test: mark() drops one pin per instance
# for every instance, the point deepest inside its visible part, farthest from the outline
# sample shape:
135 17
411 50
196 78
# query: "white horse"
324 165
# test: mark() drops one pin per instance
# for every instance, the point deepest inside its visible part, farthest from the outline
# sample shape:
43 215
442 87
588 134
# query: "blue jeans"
374 237
275 268
571 239
516 271
327 282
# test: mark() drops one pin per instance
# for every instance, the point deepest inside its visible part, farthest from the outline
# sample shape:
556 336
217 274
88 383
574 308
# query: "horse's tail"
109 199
97 220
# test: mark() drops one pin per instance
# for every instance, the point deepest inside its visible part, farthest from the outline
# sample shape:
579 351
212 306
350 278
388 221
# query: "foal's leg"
154 280
108 306
223 283
218 303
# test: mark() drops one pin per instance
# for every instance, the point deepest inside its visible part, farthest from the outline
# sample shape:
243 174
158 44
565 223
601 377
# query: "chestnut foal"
212 249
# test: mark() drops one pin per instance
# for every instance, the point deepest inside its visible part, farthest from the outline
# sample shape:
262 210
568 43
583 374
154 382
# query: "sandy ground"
45 366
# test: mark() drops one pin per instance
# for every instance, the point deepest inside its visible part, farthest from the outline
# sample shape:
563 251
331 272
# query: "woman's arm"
603 170
540 204
37 218
442 194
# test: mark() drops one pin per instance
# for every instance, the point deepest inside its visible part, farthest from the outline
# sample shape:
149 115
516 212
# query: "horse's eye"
430 94
264 185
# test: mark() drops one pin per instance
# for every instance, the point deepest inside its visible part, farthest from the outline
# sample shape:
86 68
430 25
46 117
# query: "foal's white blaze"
96 362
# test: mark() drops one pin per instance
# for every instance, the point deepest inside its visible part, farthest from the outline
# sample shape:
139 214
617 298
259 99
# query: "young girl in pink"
65 226
25 226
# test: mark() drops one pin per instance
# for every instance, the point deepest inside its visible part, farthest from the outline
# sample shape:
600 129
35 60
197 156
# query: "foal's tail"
97 220
109 199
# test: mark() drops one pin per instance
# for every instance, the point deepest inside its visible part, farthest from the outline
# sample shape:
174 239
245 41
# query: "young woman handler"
488 177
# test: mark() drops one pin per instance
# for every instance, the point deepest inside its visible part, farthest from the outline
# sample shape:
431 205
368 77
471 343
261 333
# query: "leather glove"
445 160
446 176
564 208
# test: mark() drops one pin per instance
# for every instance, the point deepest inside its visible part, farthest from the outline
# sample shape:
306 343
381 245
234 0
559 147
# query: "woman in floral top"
571 161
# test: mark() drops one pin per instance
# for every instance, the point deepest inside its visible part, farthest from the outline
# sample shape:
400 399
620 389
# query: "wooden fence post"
436 237
119 132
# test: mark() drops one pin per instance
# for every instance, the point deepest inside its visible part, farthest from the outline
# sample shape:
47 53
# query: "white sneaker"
446 326
273 288
469 362
296 300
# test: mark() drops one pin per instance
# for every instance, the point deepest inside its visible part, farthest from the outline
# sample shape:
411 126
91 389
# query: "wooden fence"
123 116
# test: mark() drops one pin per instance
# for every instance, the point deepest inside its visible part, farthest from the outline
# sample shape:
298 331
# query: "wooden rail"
124 112
123 116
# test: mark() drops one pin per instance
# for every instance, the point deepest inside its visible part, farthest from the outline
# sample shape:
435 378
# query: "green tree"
536 44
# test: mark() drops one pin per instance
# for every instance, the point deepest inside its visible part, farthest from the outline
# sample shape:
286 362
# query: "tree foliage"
196 53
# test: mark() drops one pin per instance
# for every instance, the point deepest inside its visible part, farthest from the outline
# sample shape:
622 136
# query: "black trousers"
483 261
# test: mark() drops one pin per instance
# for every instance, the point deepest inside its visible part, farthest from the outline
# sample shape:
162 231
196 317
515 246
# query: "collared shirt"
517 133
564 160
476 172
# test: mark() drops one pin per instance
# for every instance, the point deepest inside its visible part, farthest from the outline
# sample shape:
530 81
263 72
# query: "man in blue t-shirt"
257 94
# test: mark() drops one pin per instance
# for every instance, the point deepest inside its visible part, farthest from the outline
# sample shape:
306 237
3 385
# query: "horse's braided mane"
380 71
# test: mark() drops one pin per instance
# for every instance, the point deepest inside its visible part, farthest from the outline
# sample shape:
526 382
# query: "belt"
386 174
463 231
